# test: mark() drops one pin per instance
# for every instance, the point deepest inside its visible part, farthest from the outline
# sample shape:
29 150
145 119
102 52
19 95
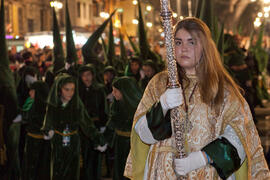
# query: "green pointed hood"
143 43
87 50
105 49
54 97
111 46
199 4
6 77
207 13
70 45
7 83
220 43
4 55
260 54
260 37
58 53
130 91
145 51
123 55
41 93
134 47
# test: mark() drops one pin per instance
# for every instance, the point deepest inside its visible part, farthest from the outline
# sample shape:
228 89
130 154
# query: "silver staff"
166 14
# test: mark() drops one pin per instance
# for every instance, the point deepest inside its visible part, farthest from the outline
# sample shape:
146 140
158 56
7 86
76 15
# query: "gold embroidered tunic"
156 161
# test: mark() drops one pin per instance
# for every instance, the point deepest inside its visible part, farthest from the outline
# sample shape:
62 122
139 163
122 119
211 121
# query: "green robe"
36 162
66 159
94 100
120 122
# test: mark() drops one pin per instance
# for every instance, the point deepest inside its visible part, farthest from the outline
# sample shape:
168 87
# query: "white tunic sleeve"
142 129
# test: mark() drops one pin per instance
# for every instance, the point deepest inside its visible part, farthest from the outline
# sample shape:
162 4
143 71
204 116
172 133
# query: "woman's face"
32 93
148 71
67 92
188 50
117 94
87 78
134 66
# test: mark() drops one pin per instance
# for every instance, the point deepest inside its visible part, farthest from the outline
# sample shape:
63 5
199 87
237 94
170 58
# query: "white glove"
101 148
67 66
102 129
50 135
110 97
171 98
30 79
18 118
194 161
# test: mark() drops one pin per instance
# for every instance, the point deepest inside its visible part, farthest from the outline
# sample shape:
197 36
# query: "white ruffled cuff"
144 132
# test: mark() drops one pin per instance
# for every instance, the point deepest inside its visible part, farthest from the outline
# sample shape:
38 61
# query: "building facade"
32 16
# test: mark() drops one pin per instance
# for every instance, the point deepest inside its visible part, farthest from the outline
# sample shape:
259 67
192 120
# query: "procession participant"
220 138
149 69
93 97
36 159
65 117
127 95
133 69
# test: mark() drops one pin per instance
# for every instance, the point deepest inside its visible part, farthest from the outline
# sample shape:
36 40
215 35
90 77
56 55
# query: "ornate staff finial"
166 14
179 132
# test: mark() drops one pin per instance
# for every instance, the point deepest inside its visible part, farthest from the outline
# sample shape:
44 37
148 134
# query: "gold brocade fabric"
207 126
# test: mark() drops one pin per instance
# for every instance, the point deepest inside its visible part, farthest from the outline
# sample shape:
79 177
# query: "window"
20 19
79 9
7 17
84 10
41 20
95 9
89 10
30 25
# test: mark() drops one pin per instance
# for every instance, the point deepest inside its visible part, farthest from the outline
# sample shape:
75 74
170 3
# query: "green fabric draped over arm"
224 156
159 125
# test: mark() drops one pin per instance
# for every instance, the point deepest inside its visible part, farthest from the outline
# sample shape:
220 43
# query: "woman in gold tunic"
221 140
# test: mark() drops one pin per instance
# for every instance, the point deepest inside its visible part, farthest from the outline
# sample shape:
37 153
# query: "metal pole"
189 8
179 132
178 7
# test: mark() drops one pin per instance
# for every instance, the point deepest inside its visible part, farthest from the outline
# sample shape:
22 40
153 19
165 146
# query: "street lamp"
148 8
104 15
149 24
135 2
117 23
56 4
135 21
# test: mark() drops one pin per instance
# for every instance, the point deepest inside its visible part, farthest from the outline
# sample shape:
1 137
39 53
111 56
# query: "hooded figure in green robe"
133 68
109 74
36 162
149 69
8 101
58 54
235 60
127 95
93 97
67 117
